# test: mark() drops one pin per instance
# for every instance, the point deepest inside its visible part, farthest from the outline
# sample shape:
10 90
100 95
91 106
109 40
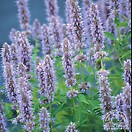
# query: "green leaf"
117 21
110 35
82 98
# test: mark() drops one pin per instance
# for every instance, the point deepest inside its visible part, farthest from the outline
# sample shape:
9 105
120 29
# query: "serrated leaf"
110 35
82 98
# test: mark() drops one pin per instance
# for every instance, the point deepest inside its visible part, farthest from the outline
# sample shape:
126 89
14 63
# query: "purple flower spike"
106 99
6 53
68 63
10 81
25 104
71 128
127 71
2 119
50 85
127 104
24 50
36 29
51 8
75 19
23 14
96 28
46 42
44 120
14 57
86 7
41 77
56 29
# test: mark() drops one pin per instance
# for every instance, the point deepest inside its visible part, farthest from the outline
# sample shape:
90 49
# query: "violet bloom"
24 50
120 116
127 71
22 70
2 119
71 128
127 104
14 57
10 81
96 28
23 14
77 24
105 98
46 42
72 93
6 55
86 7
50 85
51 8
41 77
36 29
25 104
44 120
56 30
68 63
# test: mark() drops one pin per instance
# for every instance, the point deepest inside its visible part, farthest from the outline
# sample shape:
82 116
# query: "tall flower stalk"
23 14
68 63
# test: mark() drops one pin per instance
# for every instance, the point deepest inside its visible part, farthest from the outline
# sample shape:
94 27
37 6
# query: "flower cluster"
44 120
23 14
71 128
68 64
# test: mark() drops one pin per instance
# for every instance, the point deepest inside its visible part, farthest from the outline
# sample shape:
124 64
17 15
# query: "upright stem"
51 116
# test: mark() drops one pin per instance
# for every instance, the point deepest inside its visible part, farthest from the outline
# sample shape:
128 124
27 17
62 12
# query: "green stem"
74 108
51 116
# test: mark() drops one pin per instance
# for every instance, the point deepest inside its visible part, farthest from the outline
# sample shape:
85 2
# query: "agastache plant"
75 75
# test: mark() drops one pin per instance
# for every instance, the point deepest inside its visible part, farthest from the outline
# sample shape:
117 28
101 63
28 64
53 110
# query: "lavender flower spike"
25 104
24 51
105 97
23 14
46 43
50 85
41 77
10 81
86 6
127 104
77 24
44 120
56 29
68 63
36 29
6 53
2 119
96 28
71 128
51 8
127 71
